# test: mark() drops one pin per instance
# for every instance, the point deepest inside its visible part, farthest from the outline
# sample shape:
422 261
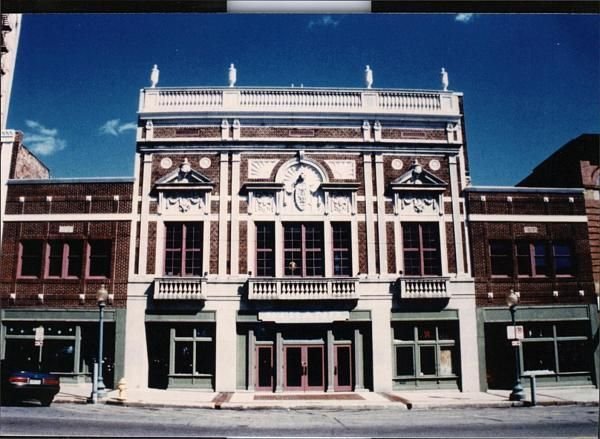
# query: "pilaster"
369 217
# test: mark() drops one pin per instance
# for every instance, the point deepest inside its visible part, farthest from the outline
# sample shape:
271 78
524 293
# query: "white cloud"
323 21
464 17
42 140
114 127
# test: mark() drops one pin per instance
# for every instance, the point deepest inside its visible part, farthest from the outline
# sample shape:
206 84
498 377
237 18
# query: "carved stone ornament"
397 164
166 163
205 163
434 165
340 204
425 204
183 203
301 186
342 169
264 203
261 168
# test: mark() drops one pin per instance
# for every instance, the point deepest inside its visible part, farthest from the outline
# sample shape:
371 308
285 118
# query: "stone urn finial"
444 77
232 75
368 77
154 76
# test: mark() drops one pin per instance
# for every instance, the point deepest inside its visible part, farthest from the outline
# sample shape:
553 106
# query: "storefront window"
539 356
426 350
194 350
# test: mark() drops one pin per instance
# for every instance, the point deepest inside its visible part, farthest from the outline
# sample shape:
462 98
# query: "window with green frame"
194 350
426 350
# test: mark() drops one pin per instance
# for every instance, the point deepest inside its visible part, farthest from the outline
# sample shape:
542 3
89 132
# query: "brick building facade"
290 239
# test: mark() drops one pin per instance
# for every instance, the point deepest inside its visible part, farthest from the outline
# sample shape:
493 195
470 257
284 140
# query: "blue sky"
531 82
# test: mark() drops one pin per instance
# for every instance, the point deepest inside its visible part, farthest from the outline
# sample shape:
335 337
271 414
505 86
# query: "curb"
373 406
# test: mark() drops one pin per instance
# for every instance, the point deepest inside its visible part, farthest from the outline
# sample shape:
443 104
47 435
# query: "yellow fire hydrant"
122 387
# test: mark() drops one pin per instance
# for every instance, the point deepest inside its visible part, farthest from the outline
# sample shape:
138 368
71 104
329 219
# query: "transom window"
421 249
303 249
183 249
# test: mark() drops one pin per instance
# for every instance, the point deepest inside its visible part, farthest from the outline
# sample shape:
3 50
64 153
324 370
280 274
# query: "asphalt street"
114 421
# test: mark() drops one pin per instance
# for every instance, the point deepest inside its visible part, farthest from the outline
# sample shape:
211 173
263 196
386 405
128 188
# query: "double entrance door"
305 367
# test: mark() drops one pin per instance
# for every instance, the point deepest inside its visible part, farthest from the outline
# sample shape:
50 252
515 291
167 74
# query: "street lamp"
101 296
517 393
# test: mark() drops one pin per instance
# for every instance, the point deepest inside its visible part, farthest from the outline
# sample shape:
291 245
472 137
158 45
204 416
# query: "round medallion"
205 162
397 164
434 165
166 163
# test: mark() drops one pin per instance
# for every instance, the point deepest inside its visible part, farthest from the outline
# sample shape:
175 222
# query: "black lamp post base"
517 393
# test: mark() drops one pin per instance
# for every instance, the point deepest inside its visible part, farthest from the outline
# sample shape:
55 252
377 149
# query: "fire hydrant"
122 387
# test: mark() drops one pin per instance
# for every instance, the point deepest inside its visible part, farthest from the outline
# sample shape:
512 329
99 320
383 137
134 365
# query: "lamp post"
101 296
517 393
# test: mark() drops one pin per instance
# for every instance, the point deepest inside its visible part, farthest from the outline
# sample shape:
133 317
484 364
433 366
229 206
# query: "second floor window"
99 257
501 258
64 258
265 249
183 249
564 264
303 249
342 249
531 258
421 249
31 258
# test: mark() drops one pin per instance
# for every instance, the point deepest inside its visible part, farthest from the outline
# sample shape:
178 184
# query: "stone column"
382 346
251 374
330 362
369 217
226 346
381 224
235 207
279 362
456 217
359 369
223 216
136 351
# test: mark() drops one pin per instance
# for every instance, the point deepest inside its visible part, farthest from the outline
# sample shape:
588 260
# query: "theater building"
297 239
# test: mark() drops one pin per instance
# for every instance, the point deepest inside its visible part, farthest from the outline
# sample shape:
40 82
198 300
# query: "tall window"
564 265
303 249
31 258
64 259
265 249
531 258
183 249
99 258
501 258
421 249
342 249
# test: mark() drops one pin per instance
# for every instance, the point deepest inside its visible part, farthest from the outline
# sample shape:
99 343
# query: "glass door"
303 368
343 368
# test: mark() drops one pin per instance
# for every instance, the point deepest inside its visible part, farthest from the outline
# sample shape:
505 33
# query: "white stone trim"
223 183
235 207
143 254
73 217
371 266
381 223
479 217
456 219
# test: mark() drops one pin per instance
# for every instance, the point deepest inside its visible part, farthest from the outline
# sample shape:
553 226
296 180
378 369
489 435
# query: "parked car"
21 385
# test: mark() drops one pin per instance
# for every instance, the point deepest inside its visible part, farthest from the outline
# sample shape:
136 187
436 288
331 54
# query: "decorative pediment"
418 178
184 178
184 191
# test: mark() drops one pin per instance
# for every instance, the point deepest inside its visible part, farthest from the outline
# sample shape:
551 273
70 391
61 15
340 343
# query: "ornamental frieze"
392 133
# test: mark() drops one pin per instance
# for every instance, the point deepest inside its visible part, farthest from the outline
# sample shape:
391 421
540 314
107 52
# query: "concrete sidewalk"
413 399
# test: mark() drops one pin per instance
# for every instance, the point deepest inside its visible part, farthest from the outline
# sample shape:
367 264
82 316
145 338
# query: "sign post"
39 342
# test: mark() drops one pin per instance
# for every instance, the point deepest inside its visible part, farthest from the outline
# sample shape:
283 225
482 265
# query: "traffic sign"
515 332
